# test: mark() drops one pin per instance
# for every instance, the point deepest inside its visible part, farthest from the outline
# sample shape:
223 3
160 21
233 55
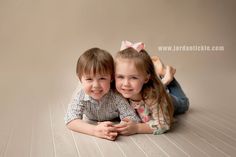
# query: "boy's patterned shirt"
111 106
158 120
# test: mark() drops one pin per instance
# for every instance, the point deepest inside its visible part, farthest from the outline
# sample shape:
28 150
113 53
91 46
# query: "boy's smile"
96 86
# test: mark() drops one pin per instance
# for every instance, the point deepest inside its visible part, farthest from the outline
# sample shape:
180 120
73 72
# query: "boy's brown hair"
95 61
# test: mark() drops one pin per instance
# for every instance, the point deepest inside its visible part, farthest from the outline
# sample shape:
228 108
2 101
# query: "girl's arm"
102 130
158 124
143 128
161 119
129 127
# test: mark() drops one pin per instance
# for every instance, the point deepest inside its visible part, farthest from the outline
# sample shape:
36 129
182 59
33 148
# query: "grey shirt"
111 106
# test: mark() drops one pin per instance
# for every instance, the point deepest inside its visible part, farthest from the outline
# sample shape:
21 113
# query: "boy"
96 99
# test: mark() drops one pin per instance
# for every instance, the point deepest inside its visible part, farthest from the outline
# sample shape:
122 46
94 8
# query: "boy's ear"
147 78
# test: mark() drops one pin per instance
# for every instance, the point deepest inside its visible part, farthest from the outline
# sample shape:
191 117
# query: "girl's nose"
126 82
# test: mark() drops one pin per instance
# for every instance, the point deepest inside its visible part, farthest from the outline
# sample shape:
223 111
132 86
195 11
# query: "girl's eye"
119 77
134 78
88 79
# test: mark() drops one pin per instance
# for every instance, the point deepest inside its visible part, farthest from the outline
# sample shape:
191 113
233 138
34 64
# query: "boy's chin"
127 96
97 97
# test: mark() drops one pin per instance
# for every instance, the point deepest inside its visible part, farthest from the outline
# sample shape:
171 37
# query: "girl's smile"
129 81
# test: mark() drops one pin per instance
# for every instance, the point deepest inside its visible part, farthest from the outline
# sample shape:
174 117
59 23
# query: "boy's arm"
75 108
102 130
73 120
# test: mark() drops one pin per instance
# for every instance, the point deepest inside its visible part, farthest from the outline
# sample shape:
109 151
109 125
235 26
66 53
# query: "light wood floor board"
40 42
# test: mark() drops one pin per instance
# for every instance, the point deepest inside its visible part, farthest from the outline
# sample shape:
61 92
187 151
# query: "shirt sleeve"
75 108
160 122
125 110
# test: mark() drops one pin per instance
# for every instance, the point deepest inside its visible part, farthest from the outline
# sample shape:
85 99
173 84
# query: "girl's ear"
147 78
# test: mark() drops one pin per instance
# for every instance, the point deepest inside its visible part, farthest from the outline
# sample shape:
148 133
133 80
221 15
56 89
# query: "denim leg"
179 99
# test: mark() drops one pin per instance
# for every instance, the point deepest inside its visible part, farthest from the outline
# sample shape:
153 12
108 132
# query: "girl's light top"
157 118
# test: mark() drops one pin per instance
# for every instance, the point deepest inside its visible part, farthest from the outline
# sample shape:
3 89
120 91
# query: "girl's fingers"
109 137
124 132
121 125
108 123
112 138
111 129
126 119
112 133
120 130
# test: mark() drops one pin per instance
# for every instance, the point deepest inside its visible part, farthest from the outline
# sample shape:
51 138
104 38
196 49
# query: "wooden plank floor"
32 124
41 40
39 130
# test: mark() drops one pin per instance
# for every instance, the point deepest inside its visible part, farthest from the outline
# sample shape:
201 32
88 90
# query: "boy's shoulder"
116 95
78 94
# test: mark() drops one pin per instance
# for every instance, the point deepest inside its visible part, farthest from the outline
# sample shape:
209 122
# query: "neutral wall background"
40 42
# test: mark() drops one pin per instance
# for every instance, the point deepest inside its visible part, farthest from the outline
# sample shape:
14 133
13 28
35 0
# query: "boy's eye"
88 79
103 78
134 78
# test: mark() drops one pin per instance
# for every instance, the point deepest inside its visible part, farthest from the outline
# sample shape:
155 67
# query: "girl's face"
129 81
96 86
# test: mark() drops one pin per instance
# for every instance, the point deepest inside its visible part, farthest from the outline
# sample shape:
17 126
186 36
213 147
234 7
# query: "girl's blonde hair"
95 61
153 92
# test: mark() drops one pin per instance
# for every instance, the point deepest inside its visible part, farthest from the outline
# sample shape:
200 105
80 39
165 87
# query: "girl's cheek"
118 82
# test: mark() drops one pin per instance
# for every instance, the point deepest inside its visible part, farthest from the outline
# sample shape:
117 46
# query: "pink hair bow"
137 46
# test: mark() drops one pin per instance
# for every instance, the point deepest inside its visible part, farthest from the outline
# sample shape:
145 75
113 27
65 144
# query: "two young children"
138 89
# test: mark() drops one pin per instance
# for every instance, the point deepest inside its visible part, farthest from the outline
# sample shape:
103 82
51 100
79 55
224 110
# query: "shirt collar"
89 98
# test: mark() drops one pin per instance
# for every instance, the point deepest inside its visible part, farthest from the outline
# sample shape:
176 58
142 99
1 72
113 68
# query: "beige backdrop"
41 40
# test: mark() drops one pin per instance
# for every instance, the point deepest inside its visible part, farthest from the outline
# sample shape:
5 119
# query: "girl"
95 70
137 81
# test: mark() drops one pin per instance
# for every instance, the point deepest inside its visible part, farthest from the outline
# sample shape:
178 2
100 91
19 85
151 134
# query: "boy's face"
129 81
97 85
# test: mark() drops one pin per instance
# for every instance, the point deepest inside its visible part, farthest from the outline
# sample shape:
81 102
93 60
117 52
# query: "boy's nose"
96 84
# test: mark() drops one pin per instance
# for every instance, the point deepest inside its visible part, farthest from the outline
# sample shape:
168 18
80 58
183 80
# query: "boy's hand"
127 127
106 130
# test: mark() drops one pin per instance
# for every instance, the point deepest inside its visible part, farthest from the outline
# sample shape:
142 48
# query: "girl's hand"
127 127
106 130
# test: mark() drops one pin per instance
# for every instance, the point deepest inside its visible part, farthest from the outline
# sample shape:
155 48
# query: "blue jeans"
179 99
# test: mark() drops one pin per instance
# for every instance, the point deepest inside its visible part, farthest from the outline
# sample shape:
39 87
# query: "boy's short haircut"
95 61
